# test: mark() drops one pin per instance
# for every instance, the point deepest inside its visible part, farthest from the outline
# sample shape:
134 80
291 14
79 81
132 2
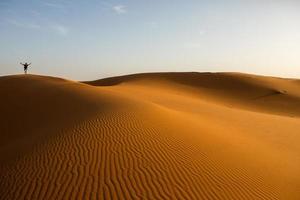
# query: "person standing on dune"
26 65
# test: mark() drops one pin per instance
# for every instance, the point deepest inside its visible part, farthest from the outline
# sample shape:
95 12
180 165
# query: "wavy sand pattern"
150 136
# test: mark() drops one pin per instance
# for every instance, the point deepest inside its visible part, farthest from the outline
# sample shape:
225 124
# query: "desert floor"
150 136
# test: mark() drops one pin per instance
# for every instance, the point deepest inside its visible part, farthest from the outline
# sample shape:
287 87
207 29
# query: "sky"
92 39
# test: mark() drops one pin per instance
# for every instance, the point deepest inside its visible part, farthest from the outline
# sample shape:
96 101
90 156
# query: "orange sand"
150 136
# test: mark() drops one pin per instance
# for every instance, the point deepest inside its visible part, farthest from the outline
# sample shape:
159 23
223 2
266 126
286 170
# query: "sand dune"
150 136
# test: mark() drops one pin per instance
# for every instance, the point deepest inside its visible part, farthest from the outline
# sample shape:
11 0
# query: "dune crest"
150 136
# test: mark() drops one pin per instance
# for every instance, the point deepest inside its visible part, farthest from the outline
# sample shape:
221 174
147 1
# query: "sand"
150 136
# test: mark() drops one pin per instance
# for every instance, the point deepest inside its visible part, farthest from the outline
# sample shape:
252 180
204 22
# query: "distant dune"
150 136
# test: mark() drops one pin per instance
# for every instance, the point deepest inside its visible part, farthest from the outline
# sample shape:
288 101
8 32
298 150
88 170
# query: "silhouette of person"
26 65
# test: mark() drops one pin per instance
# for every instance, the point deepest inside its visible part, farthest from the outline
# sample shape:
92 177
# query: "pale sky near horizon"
91 39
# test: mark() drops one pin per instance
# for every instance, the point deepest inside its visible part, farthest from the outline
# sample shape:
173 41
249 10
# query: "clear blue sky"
90 39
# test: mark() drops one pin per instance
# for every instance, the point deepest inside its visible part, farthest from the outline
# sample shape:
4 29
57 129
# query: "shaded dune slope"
35 107
149 136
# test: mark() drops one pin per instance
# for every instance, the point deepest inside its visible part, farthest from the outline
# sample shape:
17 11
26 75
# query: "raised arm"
21 63
29 64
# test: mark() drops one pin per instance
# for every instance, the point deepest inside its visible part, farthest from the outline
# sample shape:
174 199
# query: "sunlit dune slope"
266 94
150 136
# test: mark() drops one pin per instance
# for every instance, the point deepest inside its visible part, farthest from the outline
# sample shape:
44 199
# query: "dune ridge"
150 136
